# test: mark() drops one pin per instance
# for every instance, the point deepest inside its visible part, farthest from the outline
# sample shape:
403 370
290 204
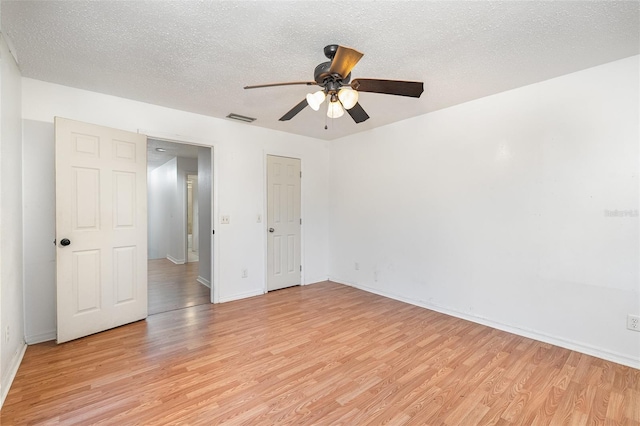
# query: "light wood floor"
323 354
174 286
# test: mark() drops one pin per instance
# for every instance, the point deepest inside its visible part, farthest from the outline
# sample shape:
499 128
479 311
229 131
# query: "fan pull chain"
325 119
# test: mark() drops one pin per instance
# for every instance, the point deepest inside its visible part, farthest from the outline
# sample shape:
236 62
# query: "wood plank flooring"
174 286
324 354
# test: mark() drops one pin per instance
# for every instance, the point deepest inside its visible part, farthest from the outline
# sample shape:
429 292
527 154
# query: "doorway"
179 225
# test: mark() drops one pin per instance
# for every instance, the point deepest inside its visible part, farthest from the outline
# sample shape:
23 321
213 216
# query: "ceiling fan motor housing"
322 75
330 51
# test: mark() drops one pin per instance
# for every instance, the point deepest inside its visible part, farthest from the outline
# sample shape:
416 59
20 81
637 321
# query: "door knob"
271 229
65 242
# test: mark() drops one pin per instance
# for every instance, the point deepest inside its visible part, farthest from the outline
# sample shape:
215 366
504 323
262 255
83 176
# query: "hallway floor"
174 286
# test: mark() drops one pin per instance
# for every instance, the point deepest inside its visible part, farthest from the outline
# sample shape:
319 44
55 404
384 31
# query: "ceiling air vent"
241 118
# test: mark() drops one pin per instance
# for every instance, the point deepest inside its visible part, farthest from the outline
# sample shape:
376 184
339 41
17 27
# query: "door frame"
265 211
205 143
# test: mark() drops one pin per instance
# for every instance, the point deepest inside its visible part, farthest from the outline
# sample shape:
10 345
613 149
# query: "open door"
101 228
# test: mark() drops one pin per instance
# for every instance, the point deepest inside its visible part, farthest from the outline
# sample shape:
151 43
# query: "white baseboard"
205 282
531 334
176 261
7 378
315 280
240 296
41 337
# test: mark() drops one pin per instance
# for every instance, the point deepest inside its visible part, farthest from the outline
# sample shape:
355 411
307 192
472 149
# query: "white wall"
39 231
496 210
240 151
161 186
167 195
12 345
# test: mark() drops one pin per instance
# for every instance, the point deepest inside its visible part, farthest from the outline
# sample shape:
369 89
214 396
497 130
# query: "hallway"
174 286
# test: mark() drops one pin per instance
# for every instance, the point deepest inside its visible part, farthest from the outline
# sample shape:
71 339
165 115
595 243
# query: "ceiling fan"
334 78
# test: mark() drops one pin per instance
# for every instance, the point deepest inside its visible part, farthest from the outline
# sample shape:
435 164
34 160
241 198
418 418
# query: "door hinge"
300 268
300 175
213 232
300 221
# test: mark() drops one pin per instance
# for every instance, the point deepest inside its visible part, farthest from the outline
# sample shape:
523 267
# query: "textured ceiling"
198 56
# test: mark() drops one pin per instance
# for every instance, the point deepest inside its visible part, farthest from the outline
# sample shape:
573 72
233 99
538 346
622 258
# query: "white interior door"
283 222
101 228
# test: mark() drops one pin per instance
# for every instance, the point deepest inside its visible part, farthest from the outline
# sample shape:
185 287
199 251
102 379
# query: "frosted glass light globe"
315 99
335 110
348 97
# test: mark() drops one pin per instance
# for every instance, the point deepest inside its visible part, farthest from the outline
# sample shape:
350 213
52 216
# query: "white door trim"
215 245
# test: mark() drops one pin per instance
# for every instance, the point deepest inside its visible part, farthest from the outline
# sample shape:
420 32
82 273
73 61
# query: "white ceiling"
157 158
198 56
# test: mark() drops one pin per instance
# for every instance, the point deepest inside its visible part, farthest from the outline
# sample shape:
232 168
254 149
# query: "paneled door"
101 228
283 222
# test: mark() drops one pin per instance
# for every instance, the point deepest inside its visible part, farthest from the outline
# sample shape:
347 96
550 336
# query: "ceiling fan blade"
389 87
295 110
344 61
291 83
358 113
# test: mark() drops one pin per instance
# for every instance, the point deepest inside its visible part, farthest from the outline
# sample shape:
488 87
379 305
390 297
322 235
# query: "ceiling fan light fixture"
334 77
348 97
315 99
335 110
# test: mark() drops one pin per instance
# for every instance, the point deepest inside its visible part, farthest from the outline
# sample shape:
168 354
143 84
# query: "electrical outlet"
259 219
633 322
225 219
356 266
245 273
375 276
6 334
